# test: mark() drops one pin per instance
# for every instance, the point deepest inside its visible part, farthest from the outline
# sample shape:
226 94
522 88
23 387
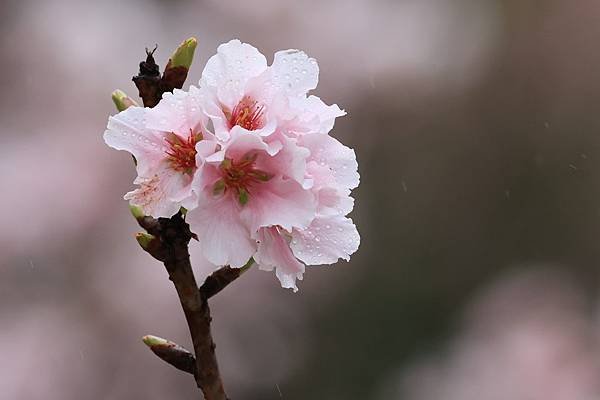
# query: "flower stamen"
240 176
247 113
182 152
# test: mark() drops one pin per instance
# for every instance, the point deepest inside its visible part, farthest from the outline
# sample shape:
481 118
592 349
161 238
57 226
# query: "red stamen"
241 176
248 114
182 152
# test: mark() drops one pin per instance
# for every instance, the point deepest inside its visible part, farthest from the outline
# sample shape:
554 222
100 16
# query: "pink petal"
328 151
224 239
326 240
163 193
290 160
281 202
274 253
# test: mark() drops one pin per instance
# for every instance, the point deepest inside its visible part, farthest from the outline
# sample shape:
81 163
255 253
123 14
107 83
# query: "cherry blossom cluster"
248 154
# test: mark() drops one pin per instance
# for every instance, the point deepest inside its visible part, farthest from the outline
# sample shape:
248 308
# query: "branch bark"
222 277
170 245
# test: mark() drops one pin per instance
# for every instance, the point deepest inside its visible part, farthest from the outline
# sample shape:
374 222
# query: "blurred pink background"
477 131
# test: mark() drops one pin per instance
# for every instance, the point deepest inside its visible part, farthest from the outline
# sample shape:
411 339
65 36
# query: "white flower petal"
127 131
230 69
294 72
178 112
326 240
314 114
328 151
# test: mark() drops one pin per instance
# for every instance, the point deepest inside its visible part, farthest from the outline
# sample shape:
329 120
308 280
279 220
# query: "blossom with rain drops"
248 154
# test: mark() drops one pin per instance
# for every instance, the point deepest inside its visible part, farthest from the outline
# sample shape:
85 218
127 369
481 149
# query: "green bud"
144 239
184 54
122 101
136 211
150 340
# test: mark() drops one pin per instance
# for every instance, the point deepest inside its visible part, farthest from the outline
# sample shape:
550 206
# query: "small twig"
222 277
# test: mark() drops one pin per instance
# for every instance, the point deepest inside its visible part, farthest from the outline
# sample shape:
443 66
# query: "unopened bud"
122 101
184 54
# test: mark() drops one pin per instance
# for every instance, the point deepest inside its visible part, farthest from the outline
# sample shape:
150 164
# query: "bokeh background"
477 131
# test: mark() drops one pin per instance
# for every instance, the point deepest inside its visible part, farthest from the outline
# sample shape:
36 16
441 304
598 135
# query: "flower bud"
122 101
184 54
151 340
145 240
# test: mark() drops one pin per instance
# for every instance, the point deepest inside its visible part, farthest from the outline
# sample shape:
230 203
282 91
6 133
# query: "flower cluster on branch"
247 153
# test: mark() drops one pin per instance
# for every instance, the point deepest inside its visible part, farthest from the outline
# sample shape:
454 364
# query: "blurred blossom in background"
477 131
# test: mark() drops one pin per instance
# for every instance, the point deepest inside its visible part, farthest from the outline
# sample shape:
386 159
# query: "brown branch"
222 277
170 245
168 238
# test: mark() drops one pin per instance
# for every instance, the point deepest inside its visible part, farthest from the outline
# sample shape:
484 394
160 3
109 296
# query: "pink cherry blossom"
277 186
163 141
249 154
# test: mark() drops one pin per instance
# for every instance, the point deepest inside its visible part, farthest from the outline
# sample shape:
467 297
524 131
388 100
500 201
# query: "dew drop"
318 239
328 226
